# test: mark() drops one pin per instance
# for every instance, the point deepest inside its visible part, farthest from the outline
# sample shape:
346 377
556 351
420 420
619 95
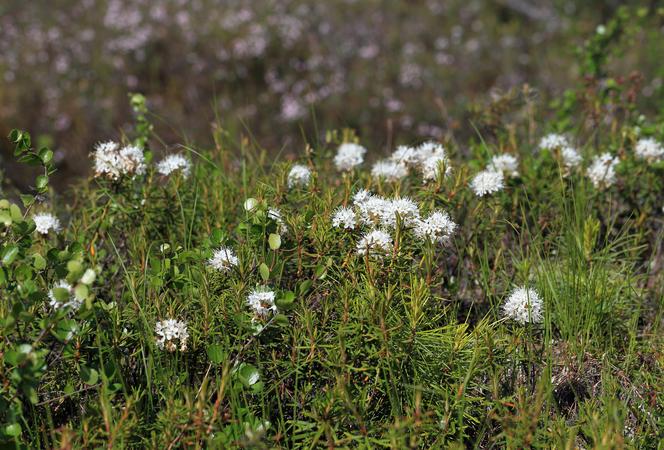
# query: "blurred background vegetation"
280 72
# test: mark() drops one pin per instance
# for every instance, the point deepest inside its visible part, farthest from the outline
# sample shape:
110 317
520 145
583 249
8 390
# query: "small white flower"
299 175
275 214
44 222
523 306
429 149
374 243
172 163
71 302
553 141
508 164
571 159
432 166
361 196
132 160
344 218
348 156
433 159
390 170
649 149
438 227
112 162
407 155
261 300
602 171
223 259
170 333
487 182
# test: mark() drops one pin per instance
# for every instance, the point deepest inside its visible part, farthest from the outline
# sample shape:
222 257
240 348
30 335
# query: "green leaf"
286 300
304 286
13 430
320 271
75 268
31 393
264 271
41 181
81 292
5 218
215 353
15 212
27 200
14 357
61 294
281 320
69 389
89 376
45 155
250 377
275 241
39 262
216 236
10 254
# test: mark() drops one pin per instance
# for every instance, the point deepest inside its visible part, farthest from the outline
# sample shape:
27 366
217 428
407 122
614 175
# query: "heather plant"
232 302
499 288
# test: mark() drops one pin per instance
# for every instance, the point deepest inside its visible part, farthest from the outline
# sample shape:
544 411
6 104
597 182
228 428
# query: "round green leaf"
41 181
89 375
13 430
215 353
46 155
274 240
10 254
15 212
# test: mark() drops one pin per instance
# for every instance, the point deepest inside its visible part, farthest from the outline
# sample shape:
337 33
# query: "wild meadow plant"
501 292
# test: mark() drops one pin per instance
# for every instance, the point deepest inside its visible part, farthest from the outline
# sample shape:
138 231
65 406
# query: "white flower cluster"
45 222
602 171
171 333
553 141
112 161
261 300
524 305
505 163
487 182
71 302
381 214
374 243
299 175
223 259
389 170
438 227
375 210
429 158
173 163
349 155
571 159
649 149
344 218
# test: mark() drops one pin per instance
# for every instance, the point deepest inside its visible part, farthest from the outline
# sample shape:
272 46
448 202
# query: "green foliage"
38 339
